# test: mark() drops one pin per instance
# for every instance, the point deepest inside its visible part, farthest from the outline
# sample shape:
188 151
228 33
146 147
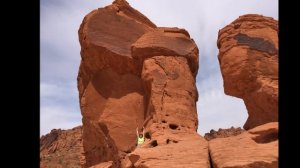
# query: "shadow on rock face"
134 158
173 126
266 136
147 135
153 143
256 43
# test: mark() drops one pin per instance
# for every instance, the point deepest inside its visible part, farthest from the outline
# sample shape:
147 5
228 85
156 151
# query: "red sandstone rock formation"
61 148
248 56
223 133
257 147
133 73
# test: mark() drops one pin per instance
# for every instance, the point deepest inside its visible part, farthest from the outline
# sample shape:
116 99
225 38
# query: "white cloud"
56 90
60 49
59 106
220 111
59 116
215 109
60 54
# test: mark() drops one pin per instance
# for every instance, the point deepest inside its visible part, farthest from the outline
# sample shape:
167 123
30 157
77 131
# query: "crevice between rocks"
210 159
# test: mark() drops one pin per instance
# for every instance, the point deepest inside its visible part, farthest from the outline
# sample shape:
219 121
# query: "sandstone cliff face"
257 147
248 56
61 148
133 73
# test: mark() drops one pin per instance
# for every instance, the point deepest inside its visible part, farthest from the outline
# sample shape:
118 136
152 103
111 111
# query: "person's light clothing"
141 140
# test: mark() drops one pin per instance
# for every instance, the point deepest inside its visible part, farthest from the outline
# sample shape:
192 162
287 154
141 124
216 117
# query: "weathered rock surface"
61 148
223 133
257 147
248 56
167 42
97 142
133 73
110 89
108 164
170 148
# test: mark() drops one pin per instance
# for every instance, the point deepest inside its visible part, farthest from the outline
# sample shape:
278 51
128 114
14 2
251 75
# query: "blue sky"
60 54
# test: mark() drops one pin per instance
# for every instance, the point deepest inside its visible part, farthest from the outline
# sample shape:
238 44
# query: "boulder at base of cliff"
254 148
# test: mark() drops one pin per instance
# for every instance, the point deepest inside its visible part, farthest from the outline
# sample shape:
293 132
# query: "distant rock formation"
134 74
61 148
248 56
257 147
223 133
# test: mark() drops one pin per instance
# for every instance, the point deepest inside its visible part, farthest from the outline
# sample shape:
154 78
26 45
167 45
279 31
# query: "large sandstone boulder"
248 56
134 74
257 147
110 89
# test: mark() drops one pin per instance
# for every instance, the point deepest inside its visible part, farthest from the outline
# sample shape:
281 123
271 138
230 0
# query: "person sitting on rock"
140 137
